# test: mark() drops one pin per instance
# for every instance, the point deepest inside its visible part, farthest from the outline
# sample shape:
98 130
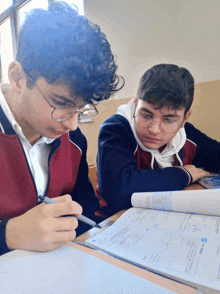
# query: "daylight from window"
6 45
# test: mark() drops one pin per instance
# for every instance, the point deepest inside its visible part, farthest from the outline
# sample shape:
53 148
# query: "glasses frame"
152 121
64 107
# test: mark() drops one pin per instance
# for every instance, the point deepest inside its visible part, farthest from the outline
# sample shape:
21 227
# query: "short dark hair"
58 43
167 85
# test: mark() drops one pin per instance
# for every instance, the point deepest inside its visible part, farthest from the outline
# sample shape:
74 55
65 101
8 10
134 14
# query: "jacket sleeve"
118 174
208 150
3 246
83 192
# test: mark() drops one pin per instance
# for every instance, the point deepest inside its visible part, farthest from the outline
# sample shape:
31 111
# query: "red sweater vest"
17 189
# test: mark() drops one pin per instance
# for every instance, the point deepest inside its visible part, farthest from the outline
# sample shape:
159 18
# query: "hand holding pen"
82 218
42 228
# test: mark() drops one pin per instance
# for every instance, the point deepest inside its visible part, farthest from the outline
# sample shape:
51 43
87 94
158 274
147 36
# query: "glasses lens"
61 114
169 127
87 115
166 126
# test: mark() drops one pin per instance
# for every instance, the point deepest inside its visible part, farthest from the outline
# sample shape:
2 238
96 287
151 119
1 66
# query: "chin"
151 146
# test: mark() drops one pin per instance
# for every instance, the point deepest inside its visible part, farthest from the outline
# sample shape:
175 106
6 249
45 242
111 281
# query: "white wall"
146 32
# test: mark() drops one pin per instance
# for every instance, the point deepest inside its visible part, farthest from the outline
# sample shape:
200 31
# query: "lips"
151 140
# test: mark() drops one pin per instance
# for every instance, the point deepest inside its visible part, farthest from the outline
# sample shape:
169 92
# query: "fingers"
42 228
65 206
63 198
53 241
63 237
55 238
65 224
205 173
195 172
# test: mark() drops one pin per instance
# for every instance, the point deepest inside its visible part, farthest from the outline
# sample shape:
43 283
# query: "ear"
186 118
16 77
135 102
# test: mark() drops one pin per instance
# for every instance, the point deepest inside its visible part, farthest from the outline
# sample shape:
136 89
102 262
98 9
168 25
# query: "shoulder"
116 131
192 132
197 137
77 138
189 128
117 123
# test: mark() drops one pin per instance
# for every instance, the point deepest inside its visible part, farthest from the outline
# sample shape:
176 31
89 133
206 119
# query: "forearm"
118 186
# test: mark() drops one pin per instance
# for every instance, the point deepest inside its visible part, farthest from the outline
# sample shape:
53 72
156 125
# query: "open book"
175 234
212 182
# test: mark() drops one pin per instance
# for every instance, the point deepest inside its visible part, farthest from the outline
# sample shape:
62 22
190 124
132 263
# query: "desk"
154 278
194 186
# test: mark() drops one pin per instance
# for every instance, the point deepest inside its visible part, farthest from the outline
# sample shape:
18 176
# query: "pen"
81 217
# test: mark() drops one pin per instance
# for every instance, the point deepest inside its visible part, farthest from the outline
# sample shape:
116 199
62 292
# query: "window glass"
29 6
5 4
6 48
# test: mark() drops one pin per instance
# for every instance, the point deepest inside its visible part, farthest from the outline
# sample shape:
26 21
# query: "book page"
68 270
192 201
212 182
177 245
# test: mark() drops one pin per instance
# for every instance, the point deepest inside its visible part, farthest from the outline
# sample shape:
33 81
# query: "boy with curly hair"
63 64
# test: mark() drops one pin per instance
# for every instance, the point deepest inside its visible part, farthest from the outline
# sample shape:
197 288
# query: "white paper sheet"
192 201
180 245
68 270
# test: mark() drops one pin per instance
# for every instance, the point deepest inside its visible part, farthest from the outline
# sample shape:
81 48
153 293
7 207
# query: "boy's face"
157 127
36 120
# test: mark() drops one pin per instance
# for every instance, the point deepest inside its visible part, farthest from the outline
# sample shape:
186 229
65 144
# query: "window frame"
12 14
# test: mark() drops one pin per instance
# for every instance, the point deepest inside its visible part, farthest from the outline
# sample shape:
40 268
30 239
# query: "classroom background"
143 33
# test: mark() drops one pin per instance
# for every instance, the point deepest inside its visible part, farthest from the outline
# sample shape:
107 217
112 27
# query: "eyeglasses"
62 113
166 126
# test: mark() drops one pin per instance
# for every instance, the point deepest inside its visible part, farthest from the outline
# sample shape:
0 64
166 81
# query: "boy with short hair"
149 145
63 63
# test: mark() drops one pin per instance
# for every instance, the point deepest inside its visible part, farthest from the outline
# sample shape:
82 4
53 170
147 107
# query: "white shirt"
37 155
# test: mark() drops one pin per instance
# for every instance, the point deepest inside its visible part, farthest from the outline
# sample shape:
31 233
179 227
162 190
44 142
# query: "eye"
169 121
60 103
145 116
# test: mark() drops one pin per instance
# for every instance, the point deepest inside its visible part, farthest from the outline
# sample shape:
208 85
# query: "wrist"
188 174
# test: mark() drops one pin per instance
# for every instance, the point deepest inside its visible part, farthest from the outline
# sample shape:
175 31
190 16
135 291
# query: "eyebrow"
67 100
166 115
61 97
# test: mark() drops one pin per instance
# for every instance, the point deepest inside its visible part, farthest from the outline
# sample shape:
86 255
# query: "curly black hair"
167 85
58 43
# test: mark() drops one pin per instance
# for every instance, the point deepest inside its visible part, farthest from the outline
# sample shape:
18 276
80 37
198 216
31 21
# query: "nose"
154 127
71 123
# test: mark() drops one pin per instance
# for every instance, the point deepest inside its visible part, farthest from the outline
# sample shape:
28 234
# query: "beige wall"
205 115
206 108
91 130
144 33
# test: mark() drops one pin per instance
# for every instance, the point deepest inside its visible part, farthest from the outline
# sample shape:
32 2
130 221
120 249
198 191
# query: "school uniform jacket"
68 174
124 168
